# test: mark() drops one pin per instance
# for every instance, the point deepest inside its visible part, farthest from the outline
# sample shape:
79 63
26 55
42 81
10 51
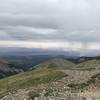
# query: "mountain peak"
57 63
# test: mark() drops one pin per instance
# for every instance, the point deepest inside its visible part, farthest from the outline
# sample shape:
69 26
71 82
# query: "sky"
49 24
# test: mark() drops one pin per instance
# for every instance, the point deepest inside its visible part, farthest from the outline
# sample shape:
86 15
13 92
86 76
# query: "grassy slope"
57 63
88 65
65 64
29 79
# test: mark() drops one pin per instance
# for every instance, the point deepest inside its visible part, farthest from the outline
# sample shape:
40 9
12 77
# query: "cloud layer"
60 21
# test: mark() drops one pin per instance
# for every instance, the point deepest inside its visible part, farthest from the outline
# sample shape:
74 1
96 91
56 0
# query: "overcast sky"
67 24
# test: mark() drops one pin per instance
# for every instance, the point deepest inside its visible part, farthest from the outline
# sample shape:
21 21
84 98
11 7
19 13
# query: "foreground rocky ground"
67 96
78 85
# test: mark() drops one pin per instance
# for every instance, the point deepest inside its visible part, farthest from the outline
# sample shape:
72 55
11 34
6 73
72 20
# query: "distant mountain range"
10 65
13 51
7 69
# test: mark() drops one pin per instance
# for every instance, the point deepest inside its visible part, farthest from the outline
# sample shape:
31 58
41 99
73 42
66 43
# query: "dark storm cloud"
50 20
41 21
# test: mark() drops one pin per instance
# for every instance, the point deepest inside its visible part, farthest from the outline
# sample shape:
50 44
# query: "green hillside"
28 79
57 63
68 65
89 65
